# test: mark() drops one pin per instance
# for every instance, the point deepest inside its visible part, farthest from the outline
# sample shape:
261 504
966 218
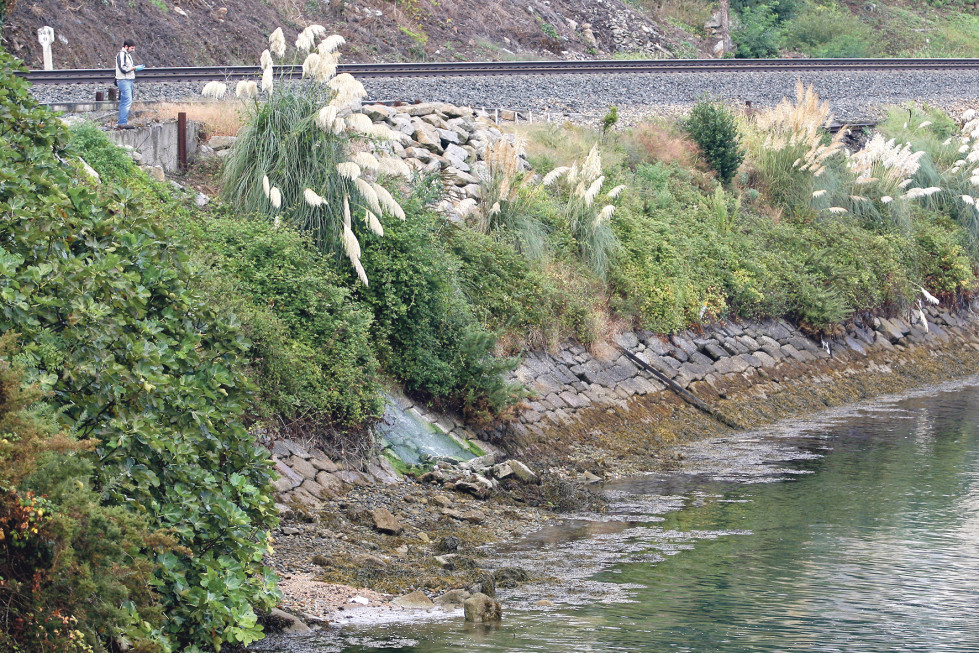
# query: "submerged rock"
480 608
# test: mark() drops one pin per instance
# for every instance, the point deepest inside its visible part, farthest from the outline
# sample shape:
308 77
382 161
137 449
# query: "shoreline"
614 439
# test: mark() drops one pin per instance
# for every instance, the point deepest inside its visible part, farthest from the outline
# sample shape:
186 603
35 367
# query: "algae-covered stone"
414 601
453 599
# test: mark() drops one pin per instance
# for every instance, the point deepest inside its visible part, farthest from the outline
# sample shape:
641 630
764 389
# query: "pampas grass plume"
310 64
277 42
275 197
348 170
366 161
246 89
368 193
266 59
266 186
390 165
215 90
312 198
267 79
325 118
373 223
332 43
554 175
359 123
615 192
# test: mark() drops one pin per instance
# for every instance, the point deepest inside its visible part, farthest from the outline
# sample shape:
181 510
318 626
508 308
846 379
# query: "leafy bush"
714 129
71 571
755 35
138 363
312 343
89 142
426 334
823 31
782 9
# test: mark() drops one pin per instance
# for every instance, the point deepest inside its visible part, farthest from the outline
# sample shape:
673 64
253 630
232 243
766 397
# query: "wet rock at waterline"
283 622
414 601
480 608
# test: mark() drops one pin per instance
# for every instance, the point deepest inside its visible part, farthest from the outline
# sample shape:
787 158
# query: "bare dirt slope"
201 32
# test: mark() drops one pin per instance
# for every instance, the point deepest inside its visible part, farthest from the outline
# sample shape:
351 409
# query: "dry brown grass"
656 142
218 118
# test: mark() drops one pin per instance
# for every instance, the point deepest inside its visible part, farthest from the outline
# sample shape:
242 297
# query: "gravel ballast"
852 95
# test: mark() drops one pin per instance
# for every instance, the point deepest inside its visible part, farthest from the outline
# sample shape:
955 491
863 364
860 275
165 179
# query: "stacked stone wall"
573 382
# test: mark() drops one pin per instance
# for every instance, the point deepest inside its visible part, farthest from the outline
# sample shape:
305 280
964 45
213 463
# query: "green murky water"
855 532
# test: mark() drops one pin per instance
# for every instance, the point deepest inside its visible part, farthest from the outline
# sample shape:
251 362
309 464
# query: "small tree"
611 119
714 129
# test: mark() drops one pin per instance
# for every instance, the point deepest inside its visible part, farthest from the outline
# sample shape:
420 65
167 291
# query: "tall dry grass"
222 118
657 142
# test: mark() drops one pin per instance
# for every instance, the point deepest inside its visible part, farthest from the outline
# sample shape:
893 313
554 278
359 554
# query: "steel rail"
233 73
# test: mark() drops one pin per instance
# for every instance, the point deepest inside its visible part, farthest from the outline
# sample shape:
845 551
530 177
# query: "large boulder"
286 623
480 608
385 522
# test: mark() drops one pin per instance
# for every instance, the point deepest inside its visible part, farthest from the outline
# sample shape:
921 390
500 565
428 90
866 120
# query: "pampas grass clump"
295 162
786 144
507 194
587 212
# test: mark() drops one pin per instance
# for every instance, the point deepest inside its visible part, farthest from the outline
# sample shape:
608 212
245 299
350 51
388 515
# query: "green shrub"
90 144
822 31
72 575
139 363
312 347
755 35
715 131
782 9
425 333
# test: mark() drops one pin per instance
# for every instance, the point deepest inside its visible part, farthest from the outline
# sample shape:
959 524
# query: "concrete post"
45 36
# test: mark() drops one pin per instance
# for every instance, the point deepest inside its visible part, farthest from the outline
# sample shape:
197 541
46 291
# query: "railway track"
381 70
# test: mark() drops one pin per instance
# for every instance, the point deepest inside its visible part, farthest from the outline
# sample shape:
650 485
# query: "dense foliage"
713 128
314 355
71 570
140 366
427 335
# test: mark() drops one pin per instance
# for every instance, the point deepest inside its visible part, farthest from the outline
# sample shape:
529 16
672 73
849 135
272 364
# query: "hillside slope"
199 32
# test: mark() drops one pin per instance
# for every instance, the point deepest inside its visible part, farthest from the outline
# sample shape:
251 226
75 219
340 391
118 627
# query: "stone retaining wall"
574 381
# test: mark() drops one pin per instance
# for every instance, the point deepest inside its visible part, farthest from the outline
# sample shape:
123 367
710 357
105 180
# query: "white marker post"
45 36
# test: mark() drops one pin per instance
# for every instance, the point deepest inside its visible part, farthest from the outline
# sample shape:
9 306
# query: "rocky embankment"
852 95
596 415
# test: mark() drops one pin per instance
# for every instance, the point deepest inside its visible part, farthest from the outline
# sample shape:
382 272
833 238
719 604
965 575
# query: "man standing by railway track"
125 78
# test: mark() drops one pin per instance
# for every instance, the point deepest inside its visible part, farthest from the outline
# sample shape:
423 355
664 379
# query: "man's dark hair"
129 43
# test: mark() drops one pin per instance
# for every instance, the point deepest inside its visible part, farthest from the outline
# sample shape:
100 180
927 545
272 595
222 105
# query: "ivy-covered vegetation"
149 379
833 28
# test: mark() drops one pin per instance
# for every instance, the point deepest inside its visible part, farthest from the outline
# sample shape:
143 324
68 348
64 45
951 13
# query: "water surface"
857 531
